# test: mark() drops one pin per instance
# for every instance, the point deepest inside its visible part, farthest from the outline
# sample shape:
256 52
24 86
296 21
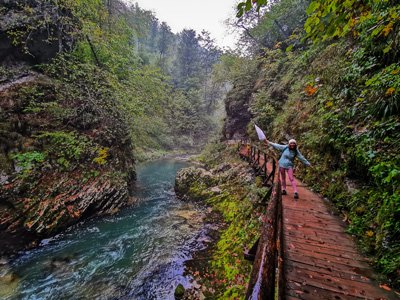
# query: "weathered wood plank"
325 250
293 265
308 292
318 244
332 281
320 238
326 227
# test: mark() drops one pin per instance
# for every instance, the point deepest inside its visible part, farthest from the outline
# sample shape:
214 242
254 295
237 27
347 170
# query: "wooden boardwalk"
321 261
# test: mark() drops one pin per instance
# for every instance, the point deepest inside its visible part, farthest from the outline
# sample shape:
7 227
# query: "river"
139 253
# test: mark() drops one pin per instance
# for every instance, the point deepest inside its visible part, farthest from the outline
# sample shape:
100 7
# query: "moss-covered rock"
58 166
192 183
179 292
228 187
34 40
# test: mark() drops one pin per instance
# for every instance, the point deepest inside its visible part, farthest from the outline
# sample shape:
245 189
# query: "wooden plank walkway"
321 260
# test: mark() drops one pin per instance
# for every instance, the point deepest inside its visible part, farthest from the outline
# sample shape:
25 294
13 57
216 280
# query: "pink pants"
291 178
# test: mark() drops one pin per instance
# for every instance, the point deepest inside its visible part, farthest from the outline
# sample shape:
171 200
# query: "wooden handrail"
266 279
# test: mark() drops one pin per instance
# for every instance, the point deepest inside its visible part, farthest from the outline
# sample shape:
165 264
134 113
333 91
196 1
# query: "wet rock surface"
198 183
45 209
187 179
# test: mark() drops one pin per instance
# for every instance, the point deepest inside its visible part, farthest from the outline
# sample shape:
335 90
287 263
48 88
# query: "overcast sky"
195 14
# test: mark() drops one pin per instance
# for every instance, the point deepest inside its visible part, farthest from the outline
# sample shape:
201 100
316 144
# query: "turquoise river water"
139 253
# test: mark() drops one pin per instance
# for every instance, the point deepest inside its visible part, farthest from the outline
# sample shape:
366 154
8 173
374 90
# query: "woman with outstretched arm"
286 163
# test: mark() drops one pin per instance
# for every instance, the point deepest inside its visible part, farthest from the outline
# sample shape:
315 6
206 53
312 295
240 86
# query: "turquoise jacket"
287 157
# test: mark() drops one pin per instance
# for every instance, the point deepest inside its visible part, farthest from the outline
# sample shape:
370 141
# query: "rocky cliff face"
33 31
54 172
65 153
238 114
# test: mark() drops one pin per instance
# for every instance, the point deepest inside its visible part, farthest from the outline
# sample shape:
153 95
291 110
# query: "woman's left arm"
303 159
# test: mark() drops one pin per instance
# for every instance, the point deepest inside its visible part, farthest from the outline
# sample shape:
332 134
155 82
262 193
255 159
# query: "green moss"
179 291
28 160
230 272
198 191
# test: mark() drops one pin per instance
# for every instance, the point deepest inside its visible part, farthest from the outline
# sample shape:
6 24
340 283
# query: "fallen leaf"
385 287
390 91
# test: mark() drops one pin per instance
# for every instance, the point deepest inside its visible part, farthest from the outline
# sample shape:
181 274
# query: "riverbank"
229 188
139 252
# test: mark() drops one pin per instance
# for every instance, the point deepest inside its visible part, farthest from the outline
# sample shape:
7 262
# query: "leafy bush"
62 147
28 160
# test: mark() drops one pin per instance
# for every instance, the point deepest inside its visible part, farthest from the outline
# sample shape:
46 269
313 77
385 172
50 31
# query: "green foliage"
261 108
59 24
39 99
101 158
278 25
210 156
153 107
384 89
232 67
242 231
281 25
374 23
229 271
63 148
112 74
107 36
246 6
28 160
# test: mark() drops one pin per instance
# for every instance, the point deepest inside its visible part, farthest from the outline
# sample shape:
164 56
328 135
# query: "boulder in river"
197 184
9 281
193 181
179 292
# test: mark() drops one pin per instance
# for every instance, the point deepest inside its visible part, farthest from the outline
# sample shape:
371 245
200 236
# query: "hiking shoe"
284 192
296 196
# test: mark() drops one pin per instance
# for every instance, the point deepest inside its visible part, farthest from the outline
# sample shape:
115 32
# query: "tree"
210 55
272 25
164 42
188 56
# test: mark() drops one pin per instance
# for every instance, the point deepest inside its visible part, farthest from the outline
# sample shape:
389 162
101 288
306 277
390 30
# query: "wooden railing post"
265 165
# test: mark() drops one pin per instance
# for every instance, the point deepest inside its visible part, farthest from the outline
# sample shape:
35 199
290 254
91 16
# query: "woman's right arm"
276 146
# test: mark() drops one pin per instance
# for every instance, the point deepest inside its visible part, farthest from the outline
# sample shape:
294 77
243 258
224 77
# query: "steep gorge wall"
325 98
65 151
238 114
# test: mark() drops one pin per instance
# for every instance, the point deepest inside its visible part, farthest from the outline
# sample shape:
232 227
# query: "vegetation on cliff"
229 187
87 87
333 84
